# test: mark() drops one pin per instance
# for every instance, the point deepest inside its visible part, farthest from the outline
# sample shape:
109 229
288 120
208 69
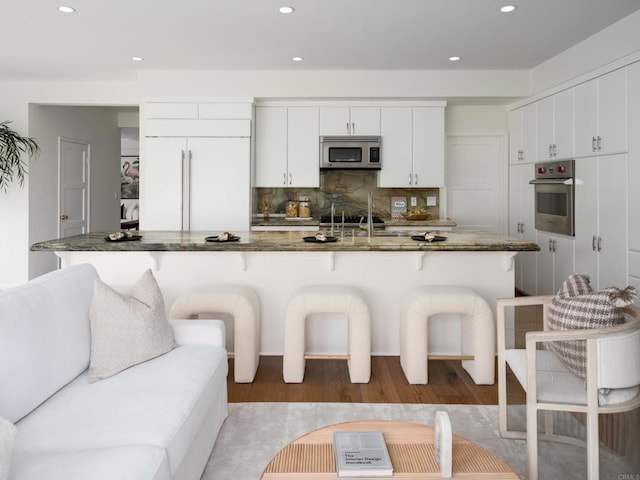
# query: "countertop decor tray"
315 240
129 238
436 238
215 239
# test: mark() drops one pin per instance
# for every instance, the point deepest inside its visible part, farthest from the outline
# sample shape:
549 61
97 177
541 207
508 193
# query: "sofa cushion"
127 330
7 434
129 462
578 306
160 403
44 331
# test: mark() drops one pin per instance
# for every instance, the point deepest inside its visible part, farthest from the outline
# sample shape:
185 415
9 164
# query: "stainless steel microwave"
350 152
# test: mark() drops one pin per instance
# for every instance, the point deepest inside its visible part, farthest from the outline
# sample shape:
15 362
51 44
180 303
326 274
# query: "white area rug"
254 432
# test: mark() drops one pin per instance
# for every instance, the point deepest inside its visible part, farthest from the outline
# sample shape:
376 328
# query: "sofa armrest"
199 332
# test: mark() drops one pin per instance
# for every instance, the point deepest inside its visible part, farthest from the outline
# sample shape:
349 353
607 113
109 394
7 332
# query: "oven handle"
553 181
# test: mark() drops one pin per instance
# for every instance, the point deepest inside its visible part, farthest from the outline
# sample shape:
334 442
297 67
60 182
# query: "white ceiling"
98 41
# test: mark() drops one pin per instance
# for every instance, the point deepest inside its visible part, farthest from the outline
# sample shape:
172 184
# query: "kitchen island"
276 263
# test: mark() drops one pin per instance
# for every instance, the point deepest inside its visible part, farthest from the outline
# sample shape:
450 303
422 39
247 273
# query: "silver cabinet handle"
599 244
550 245
284 178
593 243
550 151
555 150
415 179
290 178
593 144
555 249
353 128
410 179
598 143
347 128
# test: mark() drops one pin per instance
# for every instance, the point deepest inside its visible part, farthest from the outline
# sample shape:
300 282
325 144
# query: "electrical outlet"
414 201
432 201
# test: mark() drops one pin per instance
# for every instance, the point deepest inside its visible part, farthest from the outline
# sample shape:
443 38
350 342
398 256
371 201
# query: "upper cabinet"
522 134
555 126
601 115
287 147
412 147
349 120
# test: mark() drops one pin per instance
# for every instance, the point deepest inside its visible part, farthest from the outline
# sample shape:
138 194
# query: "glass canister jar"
292 209
304 207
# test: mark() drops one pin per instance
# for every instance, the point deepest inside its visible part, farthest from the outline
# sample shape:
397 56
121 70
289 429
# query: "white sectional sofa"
156 420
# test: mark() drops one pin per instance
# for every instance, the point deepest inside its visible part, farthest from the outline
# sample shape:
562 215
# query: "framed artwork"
129 177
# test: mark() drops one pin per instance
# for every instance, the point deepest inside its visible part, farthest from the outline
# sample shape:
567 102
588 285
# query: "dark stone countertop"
285 241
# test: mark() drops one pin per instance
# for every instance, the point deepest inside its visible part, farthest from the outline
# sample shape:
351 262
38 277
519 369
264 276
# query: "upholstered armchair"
610 384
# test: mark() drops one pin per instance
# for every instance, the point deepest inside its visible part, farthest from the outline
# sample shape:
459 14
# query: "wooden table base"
410 447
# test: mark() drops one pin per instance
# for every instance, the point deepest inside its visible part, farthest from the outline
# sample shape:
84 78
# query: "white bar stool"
243 304
327 299
419 303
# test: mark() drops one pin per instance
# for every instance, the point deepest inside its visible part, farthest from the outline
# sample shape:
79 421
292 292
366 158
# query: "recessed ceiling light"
137 59
297 59
454 59
508 8
286 10
65 9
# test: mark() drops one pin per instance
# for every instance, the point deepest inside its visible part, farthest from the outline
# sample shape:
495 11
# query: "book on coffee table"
361 454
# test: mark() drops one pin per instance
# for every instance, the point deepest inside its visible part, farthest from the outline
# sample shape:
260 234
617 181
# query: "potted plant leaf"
12 146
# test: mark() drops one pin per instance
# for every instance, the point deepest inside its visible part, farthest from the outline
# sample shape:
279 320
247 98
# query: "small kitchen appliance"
554 196
350 152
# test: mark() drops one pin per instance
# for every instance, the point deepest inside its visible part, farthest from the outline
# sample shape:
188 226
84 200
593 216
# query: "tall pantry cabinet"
633 179
195 166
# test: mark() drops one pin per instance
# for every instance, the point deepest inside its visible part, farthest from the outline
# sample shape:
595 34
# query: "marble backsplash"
347 190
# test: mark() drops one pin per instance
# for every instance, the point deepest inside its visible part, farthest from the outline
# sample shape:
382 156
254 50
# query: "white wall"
99 127
15 98
615 42
465 119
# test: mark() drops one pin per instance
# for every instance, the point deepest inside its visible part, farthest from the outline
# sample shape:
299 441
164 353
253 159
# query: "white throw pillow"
7 434
127 330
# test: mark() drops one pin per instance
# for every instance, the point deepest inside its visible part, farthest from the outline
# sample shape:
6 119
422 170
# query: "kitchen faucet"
369 227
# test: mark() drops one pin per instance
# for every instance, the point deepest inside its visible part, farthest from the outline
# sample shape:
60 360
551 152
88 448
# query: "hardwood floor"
328 381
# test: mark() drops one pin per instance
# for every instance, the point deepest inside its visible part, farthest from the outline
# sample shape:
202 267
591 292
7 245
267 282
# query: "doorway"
477 182
74 163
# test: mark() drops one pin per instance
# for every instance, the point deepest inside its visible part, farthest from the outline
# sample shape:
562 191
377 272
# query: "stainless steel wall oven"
554 197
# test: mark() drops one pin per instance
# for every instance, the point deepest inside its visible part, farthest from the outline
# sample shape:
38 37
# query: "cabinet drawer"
225 110
197 128
634 264
171 110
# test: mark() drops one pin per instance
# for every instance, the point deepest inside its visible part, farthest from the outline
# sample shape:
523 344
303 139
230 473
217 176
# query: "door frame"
88 190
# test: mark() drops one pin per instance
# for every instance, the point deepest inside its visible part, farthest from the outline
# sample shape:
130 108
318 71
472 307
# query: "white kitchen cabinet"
412 147
287 147
349 120
601 219
554 125
634 176
522 134
555 262
196 183
601 115
522 224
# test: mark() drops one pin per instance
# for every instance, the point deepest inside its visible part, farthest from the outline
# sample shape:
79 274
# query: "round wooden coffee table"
410 447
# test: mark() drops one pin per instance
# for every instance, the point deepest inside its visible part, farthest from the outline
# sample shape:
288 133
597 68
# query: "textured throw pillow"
7 434
127 329
578 306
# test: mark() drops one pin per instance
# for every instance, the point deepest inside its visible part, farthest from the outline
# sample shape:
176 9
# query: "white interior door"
477 182
73 171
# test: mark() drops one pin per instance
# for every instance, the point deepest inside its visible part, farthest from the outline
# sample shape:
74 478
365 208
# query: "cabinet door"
527 215
563 124
271 147
303 156
586 217
586 118
544 264
529 116
563 260
335 121
397 155
219 186
365 120
612 112
515 136
612 221
161 178
515 207
428 147
544 127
